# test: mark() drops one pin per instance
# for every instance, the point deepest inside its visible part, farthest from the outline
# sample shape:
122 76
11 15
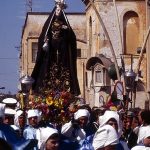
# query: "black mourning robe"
55 69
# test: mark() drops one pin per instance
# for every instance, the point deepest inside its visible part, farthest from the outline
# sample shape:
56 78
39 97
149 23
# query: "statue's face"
58 10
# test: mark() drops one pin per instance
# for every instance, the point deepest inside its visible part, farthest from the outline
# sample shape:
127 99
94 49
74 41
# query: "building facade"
126 23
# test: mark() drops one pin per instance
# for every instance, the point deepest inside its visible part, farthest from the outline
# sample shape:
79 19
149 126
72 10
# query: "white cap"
105 136
143 133
9 111
43 134
19 112
108 115
2 110
32 113
81 113
9 101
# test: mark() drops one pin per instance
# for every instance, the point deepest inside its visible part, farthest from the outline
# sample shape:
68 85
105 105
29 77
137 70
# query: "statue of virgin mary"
55 67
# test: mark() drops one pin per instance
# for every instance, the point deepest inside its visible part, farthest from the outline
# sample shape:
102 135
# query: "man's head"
145 117
82 117
32 117
82 121
9 116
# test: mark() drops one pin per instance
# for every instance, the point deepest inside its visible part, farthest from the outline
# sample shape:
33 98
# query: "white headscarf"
107 116
81 113
144 132
9 111
140 147
17 115
42 135
32 113
105 136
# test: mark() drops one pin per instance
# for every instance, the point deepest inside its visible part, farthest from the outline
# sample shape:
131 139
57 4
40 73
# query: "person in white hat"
106 137
9 116
10 102
19 121
48 138
8 134
112 118
30 131
75 129
9 110
19 113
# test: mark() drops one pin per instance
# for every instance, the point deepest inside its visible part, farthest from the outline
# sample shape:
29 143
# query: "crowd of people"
97 128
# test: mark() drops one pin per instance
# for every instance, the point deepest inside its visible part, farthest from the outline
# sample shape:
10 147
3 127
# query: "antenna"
29 5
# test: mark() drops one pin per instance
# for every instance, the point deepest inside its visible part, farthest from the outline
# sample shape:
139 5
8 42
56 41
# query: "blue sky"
12 16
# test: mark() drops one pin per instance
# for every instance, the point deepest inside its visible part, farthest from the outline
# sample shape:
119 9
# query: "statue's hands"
64 27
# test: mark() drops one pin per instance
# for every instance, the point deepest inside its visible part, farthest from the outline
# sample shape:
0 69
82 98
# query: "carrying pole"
142 51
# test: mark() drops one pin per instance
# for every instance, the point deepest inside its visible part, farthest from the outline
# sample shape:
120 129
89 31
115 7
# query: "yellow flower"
61 101
113 108
49 101
56 103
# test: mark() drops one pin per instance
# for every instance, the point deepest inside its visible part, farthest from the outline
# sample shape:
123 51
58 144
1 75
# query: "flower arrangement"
54 105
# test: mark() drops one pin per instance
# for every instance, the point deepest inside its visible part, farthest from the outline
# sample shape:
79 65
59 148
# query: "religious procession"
48 113
77 127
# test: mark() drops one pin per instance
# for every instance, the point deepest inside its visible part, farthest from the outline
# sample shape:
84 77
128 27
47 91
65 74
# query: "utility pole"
29 5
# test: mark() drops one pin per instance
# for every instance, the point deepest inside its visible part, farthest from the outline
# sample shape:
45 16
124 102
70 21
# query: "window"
98 76
34 51
78 52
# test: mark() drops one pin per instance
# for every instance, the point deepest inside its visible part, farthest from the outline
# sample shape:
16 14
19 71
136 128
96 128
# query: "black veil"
55 67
